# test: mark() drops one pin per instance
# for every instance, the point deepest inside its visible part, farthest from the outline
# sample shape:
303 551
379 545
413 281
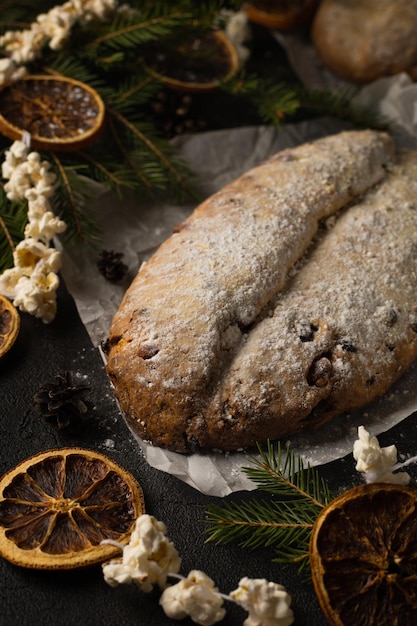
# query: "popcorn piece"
38 205
101 9
116 573
127 10
41 178
57 24
14 156
19 150
29 252
24 46
45 227
37 295
376 463
18 183
147 559
26 173
196 597
8 281
238 31
9 71
268 603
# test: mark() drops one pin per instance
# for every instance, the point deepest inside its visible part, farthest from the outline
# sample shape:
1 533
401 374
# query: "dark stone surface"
30 597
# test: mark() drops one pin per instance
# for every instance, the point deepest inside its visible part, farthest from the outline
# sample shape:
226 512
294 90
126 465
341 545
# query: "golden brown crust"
362 40
184 321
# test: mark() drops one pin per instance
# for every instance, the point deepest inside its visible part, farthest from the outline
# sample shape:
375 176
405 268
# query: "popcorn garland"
52 29
33 281
150 558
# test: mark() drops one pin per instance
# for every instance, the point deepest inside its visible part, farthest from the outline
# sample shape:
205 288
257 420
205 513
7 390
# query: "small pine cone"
110 265
64 403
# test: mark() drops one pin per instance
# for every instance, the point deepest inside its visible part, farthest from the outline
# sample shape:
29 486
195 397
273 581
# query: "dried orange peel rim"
64 143
196 87
9 325
93 552
381 562
281 19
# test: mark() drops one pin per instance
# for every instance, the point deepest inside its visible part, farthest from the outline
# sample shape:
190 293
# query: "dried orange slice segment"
60 113
363 555
57 506
9 325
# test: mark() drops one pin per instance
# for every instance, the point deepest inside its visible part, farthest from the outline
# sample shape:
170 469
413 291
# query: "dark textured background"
31 598
80 597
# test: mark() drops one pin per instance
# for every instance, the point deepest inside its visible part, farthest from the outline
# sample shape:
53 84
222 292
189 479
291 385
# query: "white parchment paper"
136 227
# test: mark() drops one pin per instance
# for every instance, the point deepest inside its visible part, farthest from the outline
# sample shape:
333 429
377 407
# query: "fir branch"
125 33
341 104
6 232
70 200
13 219
289 478
277 101
284 522
65 181
72 67
133 92
112 179
264 524
135 88
126 156
173 166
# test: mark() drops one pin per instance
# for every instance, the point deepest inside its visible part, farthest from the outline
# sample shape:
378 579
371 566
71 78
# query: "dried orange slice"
363 555
57 506
194 65
60 113
9 325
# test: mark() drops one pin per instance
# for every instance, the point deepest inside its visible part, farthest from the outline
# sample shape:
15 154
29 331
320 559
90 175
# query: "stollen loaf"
254 320
363 40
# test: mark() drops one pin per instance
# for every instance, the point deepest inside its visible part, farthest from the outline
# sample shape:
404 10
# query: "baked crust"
341 333
186 323
362 40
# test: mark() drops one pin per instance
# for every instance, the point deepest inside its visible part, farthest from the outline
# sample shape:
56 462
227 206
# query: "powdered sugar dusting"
340 333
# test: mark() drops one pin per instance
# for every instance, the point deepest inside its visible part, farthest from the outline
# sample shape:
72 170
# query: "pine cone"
64 403
110 264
